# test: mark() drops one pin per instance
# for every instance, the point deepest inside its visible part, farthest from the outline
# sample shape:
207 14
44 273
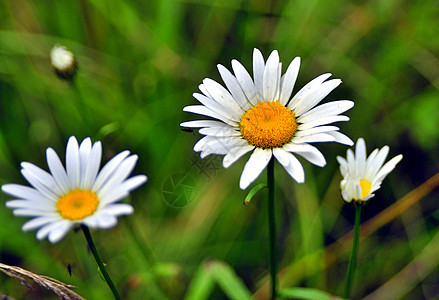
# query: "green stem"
81 105
99 261
272 227
353 259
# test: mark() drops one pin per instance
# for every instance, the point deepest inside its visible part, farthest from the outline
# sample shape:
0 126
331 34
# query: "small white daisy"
361 176
79 194
257 115
63 61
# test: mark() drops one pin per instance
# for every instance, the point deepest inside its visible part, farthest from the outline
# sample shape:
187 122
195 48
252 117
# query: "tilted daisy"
361 176
78 194
257 115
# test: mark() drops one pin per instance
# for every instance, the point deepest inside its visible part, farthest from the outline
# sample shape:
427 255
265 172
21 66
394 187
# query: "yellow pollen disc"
268 125
365 188
78 204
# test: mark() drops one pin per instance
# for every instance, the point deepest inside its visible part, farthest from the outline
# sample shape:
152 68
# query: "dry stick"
333 251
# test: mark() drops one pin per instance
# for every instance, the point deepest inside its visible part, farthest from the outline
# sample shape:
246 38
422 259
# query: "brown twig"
61 289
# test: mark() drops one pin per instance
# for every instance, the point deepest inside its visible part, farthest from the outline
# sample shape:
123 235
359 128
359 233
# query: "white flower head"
362 176
77 194
258 115
63 61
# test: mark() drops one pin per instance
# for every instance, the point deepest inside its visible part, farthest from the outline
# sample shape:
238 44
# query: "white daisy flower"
63 62
257 115
361 176
79 194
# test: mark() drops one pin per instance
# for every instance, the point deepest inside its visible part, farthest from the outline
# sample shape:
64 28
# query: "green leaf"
305 293
100 273
227 279
253 192
107 129
201 285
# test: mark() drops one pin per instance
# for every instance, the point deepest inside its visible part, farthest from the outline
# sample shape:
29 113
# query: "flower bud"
63 62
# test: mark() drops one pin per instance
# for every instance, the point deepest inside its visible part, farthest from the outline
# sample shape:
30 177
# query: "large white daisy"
257 115
361 176
79 194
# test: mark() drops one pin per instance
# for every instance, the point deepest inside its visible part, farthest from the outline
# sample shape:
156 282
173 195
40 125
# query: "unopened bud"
63 62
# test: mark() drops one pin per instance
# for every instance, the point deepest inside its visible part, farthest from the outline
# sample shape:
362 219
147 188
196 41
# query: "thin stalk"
81 106
353 259
99 261
272 227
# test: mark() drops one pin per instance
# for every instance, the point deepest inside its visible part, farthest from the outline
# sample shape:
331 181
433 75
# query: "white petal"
319 129
223 109
121 191
234 87
118 209
313 138
218 145
326 110
29 212
72 162
42 188
221 94
254 166
245 81
306 90
343 165
310 153
201 123
369 163
313 97
224 130
288 81
24 192
38 222
57 233
281 155
360 156
322 121
93 164
271 77
119 175
341 138
46 205
351 162
46 229
134 182
103 221
379 161
203 110
113 194
57 170
388 167
221 145
204 90
84 153
294 168
236 153
108 169
42 176
258 72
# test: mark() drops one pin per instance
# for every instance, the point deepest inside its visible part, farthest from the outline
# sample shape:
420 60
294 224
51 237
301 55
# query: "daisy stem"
353 259
272 227
99 261
81 105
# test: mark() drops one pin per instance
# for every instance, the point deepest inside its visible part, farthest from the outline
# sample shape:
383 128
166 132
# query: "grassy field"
140 62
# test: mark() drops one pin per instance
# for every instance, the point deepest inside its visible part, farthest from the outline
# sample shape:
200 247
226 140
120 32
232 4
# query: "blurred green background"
140 62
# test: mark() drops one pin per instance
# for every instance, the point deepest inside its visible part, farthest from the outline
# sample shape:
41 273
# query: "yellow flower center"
78 204
365 188
268 125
